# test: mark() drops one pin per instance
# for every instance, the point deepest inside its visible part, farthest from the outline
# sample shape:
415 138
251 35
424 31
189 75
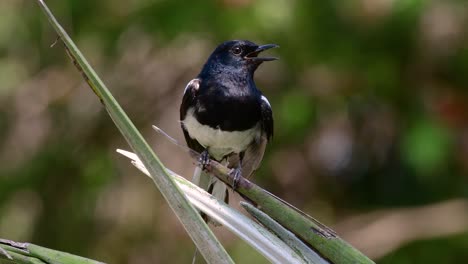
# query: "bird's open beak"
254 54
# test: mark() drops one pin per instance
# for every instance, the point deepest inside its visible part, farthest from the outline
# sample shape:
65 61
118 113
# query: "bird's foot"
204 159
237 175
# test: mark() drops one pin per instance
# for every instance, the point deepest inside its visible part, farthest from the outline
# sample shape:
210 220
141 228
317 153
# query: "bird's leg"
236 172
204 159
237 175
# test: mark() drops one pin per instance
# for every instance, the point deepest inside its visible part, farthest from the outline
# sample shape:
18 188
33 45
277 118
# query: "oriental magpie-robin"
224 116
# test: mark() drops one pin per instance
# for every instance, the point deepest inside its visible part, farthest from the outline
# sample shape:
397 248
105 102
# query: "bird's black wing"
267 118
190 94
254 153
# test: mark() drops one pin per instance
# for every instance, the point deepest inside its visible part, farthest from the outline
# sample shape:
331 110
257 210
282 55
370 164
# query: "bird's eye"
237 50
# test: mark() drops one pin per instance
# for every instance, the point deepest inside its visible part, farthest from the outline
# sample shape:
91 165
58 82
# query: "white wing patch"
264 99
195 83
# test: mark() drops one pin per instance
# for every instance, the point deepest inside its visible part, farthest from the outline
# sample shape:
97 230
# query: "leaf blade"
203 237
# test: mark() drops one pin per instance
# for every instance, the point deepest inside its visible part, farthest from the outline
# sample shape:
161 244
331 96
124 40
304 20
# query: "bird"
224 116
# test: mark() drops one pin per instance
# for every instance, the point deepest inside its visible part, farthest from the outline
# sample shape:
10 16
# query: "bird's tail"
213 186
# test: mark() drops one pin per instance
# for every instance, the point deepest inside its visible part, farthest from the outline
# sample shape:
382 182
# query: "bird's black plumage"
222 110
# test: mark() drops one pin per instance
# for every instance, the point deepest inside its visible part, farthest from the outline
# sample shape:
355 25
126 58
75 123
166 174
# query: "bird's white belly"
218 142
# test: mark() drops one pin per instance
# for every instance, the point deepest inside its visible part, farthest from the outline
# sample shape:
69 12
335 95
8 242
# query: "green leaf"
200 233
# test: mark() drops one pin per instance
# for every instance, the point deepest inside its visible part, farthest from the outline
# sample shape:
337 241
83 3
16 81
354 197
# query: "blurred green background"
369 100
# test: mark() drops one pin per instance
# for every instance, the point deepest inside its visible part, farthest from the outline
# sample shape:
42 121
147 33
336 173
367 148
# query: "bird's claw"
237 175
204 159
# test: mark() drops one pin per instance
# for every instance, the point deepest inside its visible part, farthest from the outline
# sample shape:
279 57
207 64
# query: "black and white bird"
224 116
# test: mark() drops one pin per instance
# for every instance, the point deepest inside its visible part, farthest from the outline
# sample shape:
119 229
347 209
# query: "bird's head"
239 54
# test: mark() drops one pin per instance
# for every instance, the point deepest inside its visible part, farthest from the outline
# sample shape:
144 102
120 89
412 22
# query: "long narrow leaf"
289 238
269 245
316 235
319 237
26 253
202 236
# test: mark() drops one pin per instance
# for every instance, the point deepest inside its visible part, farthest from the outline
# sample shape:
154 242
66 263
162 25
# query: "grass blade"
319 237
316 235
268 244
289 238
202 236
26 253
